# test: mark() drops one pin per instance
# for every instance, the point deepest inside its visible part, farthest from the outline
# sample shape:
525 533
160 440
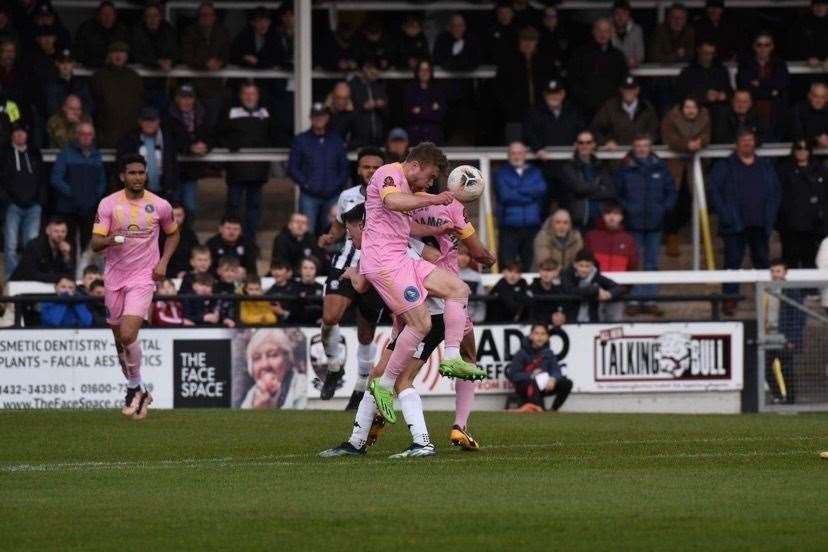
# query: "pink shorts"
402 287
128 301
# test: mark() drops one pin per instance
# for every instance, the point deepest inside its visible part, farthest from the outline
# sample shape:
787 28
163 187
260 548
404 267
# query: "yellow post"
776 366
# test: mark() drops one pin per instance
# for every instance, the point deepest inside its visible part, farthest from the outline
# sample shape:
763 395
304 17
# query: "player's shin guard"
454 317
133 363
463 400
362 422
412 409
407 344
365 358
333 348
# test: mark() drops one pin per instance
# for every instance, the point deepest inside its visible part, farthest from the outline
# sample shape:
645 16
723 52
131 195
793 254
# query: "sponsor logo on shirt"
411 294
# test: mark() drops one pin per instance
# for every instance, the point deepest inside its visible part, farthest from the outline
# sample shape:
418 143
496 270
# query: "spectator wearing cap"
456 49
714 27
740 115
118 93
519 188
94 36
625 116
812 34
396 145
706 79
597 68
553 42
373 43
412 44
501 34
205 46
23 191
256 45
371 103
158 146
247 124
319 167
342 112
810 117
585 182
154 43
186 118
61 125
555 122
674 39
627 35
766 76
424 104
66 83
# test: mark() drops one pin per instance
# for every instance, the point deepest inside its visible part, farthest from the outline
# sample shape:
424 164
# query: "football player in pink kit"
127 226
401 281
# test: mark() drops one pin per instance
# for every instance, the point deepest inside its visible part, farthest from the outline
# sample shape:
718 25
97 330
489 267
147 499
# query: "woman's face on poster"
270 366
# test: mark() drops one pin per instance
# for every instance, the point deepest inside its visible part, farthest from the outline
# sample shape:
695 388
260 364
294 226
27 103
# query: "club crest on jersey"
411 294
388 182
149 208
334 285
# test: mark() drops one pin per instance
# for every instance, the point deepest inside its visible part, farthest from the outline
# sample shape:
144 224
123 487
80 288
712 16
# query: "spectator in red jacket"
167 312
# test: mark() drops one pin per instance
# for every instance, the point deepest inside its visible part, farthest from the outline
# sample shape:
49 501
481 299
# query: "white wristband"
119 239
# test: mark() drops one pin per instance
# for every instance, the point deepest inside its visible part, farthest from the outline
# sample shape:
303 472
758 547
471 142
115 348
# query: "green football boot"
384 399
460 369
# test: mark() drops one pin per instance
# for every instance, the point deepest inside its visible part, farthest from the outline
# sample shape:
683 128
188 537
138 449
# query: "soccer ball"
466 183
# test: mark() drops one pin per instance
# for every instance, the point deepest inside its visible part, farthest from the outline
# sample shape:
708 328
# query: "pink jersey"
437 215
385 237
139 221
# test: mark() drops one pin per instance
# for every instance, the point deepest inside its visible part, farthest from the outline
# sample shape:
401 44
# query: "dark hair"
539 325
354 214
204 279
549 264
743 131
429 154
513 266
312 259
64 277
372 152
55 219
417 68
528 33
621 5
585 255
778 261
610 206
128 159
230 219
179 205
802 144
690 98
280 263
91 269
228 260
200 249
642 136
252 279
677 6
96 283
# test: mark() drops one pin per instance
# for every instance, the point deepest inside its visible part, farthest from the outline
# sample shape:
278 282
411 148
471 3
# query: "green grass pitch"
222 479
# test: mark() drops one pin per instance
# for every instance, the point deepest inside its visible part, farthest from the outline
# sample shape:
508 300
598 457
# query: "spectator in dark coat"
309 292
812 34
585 182
286 310
424 104
335 51
45 16
343 115
766 76
584 279
456 49
740 115
810 118
554 123
231 242
627 115
318 165
548 282
7 29
501 34
22 192
535 373
784 319
597 69
512 299
373 43
256 45
118 93
248 124
15 78
65 315
803 214
40 62
412 45
673 40
526 15
94 36
179 263
518 188
295 242
66 83
371 104
706 79
154 44
553 44
714 27
158 145
745 194
48 256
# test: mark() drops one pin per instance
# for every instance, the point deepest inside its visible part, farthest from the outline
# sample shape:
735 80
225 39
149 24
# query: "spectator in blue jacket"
65 315
79 178
745 193
647 191
535 373
318 165
519 188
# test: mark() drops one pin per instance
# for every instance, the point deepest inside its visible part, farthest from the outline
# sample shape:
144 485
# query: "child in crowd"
470 274
548 282
167 312
97 308
282 284
230 282
256 313
202 311
512 298
90 274
309 292
200 261
65 315
585 280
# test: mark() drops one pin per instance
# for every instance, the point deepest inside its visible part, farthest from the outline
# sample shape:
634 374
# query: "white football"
466 183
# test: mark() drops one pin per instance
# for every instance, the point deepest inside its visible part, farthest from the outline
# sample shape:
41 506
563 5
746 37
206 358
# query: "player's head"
253 285
201 258
354 221
230 228
65 285
281 271
425 162
90 274
778 269
228 269
584 263
132 171
308 269
539 336
512 272
368 161
203 283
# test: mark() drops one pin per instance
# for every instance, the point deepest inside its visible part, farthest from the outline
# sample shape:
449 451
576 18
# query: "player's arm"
170 228
99 243
101 237
430 254
477 250
396 200
423 230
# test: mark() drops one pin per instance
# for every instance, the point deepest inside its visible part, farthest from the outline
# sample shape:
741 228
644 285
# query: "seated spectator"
555 122
397 145
319 167
722 31
205 311
231 241
584 279
627 35
180 261
154 42
256 313
230 279
98 308
95 36
295 242
118 93
256 45
765 75
554 43
66 84
342 113
335 52
309 292
23 191
61 125
471 276
745 194
596 69
90 274
412 45
201 260
186 119
455 49
803 213
519 188
557 240
283 284
585 182
646 190
810 117
424 105
535 373
740 116
673 40
706 79
47 256
501 35
158 146
372 43
371 103
625 116
511 300
812 34
65 315
547 283
167 312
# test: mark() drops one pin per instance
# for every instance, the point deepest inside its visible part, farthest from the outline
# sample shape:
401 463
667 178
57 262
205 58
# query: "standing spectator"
456 49
64 314
810 118
557 240
79 180
585 182
501 36
685 129
186 118
158 146
167 312
783 318
248 124
706 79
745 194
230 241
371 102
546 310
309 292
180 261
803 214
118 94
256 45
47 256
343 116
535 373
674 40
396 146
205 45
553 44
95 36
555 122
424 104
812 34
627 35
318 165
471 276
648 193
154 44
741 115
295 242
22 191
412 45
372 43
597 69
518 188
61 125
511 296
65 84
624 117
765 75
584 279
716 29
